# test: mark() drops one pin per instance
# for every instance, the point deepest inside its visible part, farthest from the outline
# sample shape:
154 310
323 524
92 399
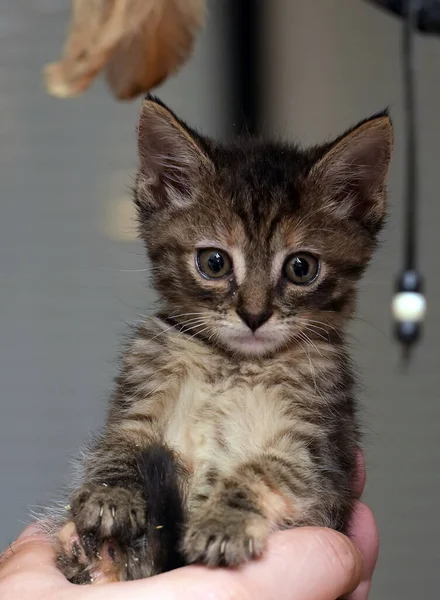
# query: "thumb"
32 552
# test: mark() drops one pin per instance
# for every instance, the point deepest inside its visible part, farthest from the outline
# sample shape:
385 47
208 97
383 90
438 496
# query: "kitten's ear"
352 173
171 158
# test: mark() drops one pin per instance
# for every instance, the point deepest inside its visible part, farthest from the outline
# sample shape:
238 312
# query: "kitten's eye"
213 263
301 268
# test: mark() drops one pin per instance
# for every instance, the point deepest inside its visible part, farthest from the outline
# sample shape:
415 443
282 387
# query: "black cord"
409 303
411 215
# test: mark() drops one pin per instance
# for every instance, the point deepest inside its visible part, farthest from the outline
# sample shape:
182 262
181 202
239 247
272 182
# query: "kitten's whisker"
195 325
131 270
307 323
305 320
326 325
174 316
324 336
198 333
313 328
214 334
161 333
184 328
311 343
196 320
371 325
167 329
326 339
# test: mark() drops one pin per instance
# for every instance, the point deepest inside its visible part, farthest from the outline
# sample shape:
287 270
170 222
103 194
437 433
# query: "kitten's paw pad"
107 512
229 538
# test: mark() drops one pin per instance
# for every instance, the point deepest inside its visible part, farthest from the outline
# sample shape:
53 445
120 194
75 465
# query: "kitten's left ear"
351 175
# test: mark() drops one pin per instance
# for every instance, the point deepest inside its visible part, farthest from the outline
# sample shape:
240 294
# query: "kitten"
233 414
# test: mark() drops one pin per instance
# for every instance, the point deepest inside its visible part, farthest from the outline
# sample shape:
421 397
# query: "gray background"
68 286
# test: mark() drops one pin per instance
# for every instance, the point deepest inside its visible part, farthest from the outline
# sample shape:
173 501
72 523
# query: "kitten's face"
259 246
255 286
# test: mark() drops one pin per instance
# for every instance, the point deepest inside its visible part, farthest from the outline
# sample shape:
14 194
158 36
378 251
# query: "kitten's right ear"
171 159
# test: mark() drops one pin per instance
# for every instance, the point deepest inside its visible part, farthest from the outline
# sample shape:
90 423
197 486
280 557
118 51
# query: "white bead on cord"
409 306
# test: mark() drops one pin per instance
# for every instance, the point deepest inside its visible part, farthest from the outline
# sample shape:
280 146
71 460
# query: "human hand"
301 564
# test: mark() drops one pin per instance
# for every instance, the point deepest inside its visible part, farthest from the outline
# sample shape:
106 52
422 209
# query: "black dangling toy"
409 304
426 12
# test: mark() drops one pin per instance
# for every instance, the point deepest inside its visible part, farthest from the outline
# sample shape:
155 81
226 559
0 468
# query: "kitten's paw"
225 536
102 512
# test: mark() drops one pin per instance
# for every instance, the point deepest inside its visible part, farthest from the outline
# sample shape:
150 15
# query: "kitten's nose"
254 321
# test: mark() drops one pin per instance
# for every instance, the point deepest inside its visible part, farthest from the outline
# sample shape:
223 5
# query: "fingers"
32 554
301 564
363 532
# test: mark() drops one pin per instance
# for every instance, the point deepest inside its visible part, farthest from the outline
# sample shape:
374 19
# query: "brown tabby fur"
217 436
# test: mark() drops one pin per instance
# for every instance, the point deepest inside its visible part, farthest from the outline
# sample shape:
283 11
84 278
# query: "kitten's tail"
163 478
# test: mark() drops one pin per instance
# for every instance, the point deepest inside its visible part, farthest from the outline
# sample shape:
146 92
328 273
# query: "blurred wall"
71 273
330 64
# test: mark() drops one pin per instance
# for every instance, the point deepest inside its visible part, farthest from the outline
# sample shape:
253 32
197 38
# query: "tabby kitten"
233 414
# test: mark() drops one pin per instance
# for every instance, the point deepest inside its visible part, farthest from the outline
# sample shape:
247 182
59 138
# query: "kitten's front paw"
219 535
103 512
72 561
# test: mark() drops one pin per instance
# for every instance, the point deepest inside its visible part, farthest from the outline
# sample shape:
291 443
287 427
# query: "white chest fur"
211 420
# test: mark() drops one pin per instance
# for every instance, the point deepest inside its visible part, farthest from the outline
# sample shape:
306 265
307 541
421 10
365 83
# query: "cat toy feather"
137 43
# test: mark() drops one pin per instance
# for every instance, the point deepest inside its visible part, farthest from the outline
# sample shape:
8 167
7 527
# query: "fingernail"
361 592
